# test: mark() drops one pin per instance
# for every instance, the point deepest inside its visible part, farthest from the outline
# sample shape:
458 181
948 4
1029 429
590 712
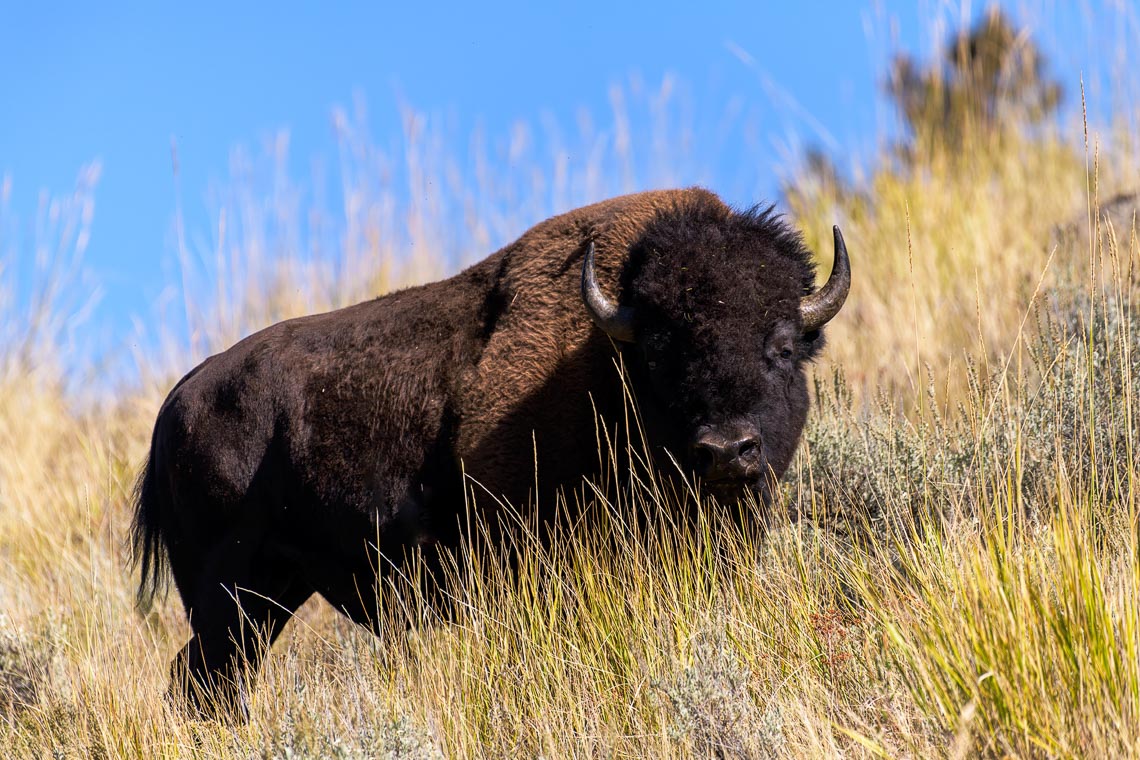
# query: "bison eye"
786 353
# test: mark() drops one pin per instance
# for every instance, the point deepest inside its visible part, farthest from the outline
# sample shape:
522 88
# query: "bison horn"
818 308
616 321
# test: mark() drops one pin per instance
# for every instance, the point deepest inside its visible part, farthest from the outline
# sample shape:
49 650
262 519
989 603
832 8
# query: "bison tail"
147 535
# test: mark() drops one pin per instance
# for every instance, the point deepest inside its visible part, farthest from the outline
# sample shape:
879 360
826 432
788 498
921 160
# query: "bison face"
717 322
732 392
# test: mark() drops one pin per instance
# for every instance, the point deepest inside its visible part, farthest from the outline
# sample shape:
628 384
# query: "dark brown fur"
322 448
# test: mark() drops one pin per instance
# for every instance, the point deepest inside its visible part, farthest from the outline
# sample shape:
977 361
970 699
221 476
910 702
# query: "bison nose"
727 453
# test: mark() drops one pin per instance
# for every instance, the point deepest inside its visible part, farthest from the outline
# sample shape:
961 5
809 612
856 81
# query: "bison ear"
615 321
810 344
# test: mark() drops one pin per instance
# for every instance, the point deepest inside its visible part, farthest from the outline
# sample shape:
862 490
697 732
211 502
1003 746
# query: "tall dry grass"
958 582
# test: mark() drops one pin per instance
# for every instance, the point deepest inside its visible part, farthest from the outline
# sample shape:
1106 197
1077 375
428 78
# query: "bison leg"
241 604
352 588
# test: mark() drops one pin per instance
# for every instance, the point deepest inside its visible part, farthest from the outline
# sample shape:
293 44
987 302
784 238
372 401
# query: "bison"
315 454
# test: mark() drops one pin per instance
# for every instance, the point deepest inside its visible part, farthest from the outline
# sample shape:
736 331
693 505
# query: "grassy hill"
953 567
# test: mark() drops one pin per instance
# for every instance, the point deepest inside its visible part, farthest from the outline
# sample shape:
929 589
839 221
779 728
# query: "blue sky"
117 83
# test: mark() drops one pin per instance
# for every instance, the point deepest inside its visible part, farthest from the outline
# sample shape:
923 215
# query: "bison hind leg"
240 605
422 575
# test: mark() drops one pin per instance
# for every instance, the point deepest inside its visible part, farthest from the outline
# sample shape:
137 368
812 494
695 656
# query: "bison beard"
322 449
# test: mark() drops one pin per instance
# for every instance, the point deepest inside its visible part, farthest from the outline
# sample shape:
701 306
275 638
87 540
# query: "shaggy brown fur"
320 449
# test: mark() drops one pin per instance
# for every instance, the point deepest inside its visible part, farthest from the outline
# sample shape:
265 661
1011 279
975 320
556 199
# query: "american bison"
321 449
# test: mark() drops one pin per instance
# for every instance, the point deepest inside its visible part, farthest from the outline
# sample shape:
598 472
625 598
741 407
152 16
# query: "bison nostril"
718 456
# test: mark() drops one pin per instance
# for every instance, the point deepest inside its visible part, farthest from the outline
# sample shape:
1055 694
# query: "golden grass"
983 608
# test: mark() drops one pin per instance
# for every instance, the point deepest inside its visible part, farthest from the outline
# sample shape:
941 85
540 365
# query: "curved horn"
616 321
817 309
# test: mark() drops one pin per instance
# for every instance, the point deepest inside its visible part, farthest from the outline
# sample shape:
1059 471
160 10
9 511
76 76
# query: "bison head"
717 320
